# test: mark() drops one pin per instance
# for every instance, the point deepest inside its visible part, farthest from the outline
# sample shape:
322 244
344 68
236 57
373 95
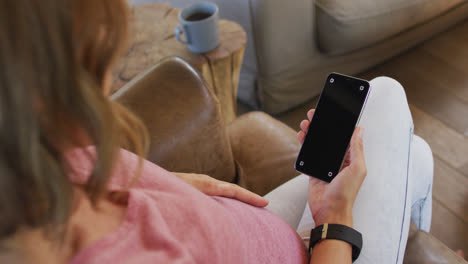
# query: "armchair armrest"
422 247
265 149
183 118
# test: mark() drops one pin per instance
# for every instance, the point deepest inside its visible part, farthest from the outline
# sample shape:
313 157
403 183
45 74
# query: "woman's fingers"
460 253
357 151
213 187
310 114
346 160
304 125
300 136
236 192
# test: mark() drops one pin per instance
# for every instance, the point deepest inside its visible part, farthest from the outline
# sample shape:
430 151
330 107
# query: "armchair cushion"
264 149
423 248
344 26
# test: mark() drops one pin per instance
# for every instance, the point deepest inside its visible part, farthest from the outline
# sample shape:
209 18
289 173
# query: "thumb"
357 149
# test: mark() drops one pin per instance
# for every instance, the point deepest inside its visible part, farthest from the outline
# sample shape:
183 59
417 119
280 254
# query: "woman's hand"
213 187
333 202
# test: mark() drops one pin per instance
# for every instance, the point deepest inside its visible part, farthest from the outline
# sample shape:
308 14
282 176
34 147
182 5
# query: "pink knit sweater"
168 221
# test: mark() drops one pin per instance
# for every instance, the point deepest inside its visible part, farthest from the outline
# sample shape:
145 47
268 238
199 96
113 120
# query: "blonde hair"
54 57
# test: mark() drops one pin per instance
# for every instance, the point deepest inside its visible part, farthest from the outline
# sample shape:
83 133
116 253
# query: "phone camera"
332 80
361 88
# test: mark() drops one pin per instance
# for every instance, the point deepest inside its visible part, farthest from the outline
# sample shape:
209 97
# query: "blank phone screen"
332 126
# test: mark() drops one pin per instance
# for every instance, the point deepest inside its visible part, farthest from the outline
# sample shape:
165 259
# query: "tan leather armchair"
188 134
255 151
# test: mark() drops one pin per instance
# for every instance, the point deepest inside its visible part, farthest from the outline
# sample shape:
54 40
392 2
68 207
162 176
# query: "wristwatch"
339 232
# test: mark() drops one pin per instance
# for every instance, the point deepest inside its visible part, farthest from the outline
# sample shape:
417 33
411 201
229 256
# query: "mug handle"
180 29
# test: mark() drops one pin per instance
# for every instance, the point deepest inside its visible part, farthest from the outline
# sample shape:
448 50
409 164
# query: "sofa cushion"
344 26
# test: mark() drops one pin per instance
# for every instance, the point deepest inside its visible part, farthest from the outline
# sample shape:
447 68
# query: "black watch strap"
339 232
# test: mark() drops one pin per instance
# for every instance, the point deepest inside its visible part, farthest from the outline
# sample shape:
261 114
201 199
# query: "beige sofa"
298 42
294 44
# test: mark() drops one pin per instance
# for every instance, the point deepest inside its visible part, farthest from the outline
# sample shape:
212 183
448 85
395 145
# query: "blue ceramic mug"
199 24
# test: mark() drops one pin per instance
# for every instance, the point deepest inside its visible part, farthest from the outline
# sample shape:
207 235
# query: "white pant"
398 186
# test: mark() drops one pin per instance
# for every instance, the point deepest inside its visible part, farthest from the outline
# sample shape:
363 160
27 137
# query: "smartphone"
337 112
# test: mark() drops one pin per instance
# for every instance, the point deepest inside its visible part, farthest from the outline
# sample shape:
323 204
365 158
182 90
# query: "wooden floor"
435 76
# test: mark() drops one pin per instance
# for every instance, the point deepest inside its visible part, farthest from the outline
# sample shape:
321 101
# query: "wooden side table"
152 38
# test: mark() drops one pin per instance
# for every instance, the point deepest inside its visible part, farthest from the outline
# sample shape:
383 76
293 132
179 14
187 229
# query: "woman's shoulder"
129 170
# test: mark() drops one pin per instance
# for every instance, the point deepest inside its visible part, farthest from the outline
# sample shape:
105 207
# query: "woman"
69 193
